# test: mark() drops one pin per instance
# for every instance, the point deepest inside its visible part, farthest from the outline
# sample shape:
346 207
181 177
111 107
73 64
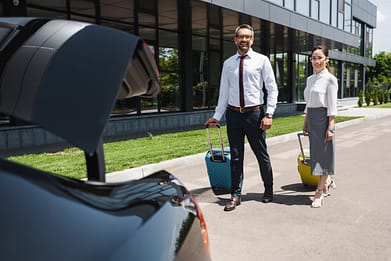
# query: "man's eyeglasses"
244 36
317 58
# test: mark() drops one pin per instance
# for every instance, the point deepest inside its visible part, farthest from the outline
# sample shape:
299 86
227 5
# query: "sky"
382 32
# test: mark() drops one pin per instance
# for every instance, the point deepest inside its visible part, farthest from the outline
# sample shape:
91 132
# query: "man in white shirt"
245 112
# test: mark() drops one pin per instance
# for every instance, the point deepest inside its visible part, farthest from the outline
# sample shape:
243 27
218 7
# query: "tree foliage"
378 86
382 71
169 78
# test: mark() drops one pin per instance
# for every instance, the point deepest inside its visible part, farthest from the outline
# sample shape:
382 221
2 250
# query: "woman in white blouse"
321 107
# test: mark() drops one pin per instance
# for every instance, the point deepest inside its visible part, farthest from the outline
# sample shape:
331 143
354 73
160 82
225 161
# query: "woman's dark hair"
325 51
323 48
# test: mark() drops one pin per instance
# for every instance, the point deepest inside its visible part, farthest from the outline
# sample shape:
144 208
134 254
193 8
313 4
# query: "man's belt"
245 109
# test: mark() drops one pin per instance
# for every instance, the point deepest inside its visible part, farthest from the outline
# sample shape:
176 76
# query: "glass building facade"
192 38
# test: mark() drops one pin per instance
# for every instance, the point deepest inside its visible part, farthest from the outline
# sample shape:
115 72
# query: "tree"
368 92
360 98
382 71
169 78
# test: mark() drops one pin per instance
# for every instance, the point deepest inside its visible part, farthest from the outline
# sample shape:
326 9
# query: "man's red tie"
241 90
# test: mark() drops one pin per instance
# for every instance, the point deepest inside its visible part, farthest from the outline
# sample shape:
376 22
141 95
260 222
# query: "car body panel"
67 219
59 80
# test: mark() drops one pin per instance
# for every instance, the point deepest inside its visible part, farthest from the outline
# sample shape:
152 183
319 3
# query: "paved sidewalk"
134 173
354 223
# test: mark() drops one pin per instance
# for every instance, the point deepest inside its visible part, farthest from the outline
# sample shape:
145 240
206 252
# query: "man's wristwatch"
270 116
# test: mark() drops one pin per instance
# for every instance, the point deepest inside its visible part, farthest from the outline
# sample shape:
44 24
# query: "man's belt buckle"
241 109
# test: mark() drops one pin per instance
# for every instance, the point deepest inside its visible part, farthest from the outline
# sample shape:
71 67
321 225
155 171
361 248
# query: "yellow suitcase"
303 165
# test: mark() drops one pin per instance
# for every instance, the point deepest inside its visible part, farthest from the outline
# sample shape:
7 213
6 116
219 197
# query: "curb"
140 172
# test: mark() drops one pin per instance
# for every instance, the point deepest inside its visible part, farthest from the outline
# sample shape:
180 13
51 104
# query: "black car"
65 76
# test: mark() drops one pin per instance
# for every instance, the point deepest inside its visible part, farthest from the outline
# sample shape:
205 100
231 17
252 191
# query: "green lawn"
153 149
384 105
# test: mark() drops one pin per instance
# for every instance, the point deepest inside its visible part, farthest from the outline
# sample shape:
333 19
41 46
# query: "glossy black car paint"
53 76
54 218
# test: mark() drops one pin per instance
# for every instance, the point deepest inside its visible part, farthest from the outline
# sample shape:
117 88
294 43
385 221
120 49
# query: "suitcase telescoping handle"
210 141
299 134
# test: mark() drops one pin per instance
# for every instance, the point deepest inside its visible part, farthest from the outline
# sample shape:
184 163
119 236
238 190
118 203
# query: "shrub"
375 97
380 94
360 98
368 92
368 97
387 96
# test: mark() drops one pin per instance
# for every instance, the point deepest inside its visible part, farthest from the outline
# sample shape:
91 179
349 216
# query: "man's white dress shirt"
257 72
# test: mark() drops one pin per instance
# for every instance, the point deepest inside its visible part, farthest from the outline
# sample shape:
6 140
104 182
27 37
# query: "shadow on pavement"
292 194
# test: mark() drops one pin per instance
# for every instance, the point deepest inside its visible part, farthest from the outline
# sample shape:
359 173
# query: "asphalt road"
353 224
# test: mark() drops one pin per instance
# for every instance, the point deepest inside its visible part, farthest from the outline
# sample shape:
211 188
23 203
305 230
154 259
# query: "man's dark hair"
246 26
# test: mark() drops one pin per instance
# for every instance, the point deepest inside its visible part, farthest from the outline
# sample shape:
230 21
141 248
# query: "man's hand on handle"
211 122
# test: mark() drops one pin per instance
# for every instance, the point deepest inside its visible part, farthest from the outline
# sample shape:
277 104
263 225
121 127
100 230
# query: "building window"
315 9
334 66
214 70
289 4
230 22
147 6
83 11
369 41
200 83
324 11
257 23
215 25
120 12
341 11
302 71
279 63
58 10
334 13
170 95
351 80
303 7
167 15
200 55
199 18
348 18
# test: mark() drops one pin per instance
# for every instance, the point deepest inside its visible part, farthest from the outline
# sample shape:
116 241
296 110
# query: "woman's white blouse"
321 91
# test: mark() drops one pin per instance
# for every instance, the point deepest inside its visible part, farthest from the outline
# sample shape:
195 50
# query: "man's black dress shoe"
267 198
231 205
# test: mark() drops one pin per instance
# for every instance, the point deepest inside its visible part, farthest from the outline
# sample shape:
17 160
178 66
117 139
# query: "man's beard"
243 48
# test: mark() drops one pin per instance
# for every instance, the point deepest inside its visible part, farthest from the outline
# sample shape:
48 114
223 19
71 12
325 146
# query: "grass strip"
142 151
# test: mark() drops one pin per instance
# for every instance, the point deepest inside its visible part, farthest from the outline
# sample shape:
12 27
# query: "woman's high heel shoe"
318 202
330 186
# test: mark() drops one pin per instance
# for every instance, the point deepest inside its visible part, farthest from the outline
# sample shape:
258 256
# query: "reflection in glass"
170 97
302 71
200 83
348 18
279 63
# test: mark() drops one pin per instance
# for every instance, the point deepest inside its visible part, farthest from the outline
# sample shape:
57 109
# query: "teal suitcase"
218 165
